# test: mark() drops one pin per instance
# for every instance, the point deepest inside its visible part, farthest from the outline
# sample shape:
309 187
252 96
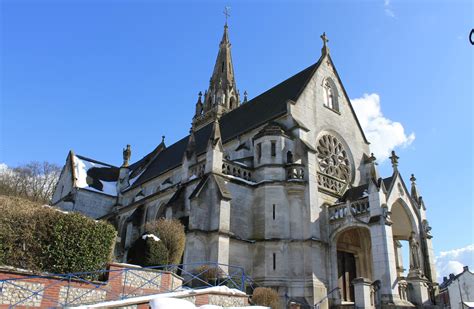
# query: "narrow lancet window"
328 95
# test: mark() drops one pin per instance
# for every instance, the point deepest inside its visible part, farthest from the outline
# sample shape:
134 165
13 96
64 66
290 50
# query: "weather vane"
226 13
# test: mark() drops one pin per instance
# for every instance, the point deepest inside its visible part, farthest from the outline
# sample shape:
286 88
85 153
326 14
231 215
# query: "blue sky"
95 75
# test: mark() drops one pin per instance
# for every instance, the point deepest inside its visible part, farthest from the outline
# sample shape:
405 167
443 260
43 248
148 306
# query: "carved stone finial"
127 153
394 159
199 105
162 139
412 179
372 157
245 96
325 49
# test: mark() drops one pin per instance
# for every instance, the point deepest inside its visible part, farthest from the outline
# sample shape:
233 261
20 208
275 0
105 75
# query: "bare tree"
35 181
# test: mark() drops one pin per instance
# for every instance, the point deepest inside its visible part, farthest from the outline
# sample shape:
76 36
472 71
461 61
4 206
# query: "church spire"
222 95
222 88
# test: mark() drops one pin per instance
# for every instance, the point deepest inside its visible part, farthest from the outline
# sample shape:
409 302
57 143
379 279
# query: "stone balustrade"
357 208
198 169
330 184
337 211
295 171
360 207
237 170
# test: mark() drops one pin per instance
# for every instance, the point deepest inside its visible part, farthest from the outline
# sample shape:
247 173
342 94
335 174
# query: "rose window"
332 158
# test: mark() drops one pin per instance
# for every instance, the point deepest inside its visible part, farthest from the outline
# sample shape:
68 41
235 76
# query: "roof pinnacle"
325 49
394 159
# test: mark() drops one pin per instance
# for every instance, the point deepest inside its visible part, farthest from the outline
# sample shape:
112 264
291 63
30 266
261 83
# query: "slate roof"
261 109
355 193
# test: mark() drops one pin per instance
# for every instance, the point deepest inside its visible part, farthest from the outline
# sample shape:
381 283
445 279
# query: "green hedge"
44 239
171 233
148 252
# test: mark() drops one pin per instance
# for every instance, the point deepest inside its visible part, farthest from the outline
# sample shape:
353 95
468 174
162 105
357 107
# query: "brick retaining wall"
49 291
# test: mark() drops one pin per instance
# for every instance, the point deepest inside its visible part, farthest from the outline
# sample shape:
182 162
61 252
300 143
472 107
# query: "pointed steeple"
222 88
215 138
222 95
191 147
215 150
415 194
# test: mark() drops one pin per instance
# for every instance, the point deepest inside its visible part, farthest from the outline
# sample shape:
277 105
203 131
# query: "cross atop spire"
226 13
325 49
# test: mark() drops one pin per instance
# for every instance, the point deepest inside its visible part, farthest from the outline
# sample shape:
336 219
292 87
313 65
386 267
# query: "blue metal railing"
134 281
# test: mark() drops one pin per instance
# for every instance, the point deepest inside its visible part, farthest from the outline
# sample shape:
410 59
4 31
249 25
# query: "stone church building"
283 185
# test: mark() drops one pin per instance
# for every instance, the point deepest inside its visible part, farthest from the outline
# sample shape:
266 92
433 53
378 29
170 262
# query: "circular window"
333 159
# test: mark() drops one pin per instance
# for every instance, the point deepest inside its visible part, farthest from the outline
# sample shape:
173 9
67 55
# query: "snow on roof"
81 166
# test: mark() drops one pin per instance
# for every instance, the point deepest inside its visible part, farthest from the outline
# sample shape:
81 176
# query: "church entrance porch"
353 253
346 268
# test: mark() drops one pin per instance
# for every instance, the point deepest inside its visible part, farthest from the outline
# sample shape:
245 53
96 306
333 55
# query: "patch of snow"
240 163
56 209
132 180
154 237
241 179
82 166
365 193
170 301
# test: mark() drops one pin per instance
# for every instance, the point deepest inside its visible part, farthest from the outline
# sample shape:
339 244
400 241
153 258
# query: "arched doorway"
354 259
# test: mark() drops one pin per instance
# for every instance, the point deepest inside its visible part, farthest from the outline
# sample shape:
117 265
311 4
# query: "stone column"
221 241
362 292
383 259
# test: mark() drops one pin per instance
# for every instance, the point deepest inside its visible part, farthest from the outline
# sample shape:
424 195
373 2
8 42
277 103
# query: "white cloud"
453 261
388 9
383 134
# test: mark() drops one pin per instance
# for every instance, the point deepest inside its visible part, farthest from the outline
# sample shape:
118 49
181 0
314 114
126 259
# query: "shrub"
266 297
148 252
171 233
208 273
44 239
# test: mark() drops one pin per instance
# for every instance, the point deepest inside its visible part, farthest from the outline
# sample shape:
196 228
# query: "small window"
222 66
259 151
274 261
328 95
273 149
274 213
